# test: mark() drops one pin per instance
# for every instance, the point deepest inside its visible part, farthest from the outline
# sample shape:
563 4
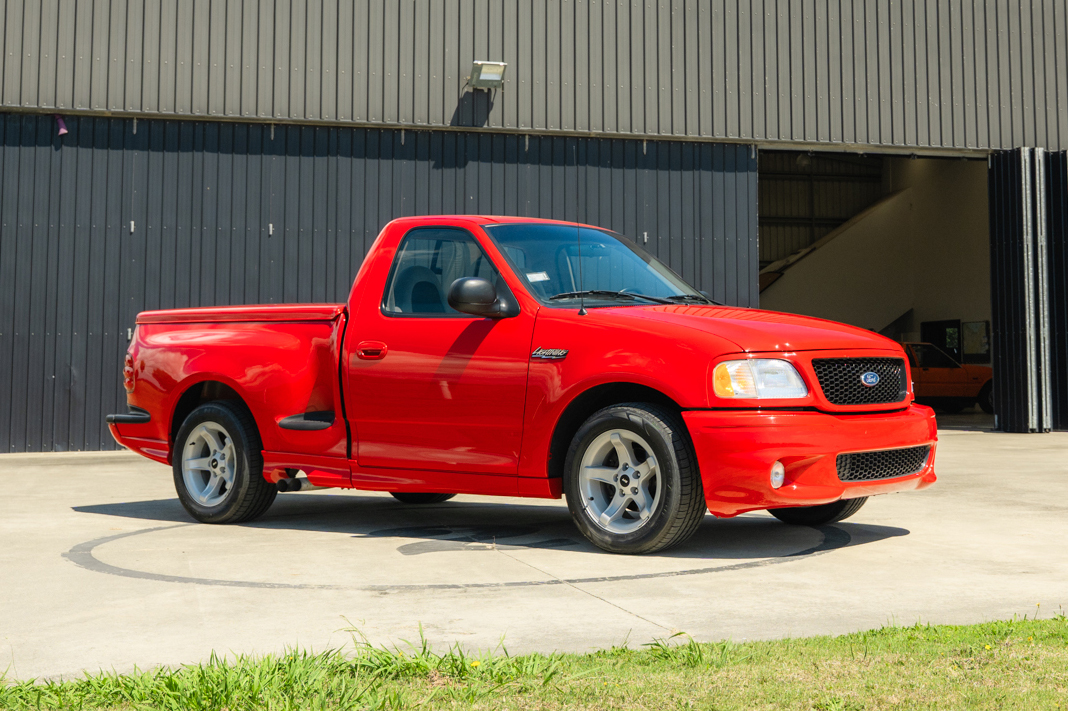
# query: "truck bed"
258 312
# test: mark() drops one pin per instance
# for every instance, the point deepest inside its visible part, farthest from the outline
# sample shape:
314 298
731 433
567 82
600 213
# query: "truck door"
430 388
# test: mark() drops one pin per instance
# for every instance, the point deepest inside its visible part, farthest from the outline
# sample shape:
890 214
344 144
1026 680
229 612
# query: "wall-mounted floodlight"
487 75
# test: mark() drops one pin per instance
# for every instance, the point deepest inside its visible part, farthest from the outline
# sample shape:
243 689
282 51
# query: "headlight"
763 378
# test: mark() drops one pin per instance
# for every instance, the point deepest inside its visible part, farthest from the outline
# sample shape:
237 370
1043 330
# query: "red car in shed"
942 382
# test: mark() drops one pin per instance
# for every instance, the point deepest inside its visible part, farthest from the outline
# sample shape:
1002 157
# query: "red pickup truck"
522 357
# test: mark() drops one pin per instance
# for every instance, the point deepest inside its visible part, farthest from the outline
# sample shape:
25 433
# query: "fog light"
778 475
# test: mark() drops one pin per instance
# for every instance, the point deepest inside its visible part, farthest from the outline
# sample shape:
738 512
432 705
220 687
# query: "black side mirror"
478 297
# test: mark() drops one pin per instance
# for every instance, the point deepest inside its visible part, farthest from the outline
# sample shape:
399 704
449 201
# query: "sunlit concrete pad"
102 568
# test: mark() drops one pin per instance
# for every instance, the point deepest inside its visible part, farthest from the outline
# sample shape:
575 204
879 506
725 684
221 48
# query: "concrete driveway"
101 567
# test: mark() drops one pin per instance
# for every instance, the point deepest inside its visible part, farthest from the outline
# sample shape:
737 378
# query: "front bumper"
737 448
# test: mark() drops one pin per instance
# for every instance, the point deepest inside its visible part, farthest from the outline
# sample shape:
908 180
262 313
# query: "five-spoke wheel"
631 480
218 467
208 464
618 481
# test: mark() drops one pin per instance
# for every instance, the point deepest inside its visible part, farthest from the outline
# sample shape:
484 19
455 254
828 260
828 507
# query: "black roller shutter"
1057 237
1020 289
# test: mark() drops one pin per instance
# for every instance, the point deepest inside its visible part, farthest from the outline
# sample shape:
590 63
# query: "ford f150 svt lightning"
521 357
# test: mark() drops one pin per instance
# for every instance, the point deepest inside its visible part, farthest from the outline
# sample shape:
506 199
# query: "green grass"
1012 664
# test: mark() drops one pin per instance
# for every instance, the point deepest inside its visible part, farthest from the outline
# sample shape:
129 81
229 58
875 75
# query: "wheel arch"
199 393
589 401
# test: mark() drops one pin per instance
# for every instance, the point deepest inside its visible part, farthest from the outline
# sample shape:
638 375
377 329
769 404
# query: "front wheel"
218 466
819 515
986 399
631 480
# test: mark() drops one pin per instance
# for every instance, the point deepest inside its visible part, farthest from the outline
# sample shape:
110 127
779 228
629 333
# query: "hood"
755 330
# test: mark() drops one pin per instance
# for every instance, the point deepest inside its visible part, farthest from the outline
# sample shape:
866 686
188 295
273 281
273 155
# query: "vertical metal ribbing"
928 73
993 187
1028 276
1057 250
1003 197
123 215
1044 402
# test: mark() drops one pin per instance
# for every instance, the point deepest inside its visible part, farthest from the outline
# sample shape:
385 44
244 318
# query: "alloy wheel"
208 464
619 481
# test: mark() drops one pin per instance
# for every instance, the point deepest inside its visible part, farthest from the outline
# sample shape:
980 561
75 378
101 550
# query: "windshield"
612 269
928 356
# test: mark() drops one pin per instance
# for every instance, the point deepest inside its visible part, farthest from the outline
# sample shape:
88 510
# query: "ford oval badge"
870 379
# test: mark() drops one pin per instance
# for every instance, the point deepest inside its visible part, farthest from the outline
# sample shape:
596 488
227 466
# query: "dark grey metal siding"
202 197
1020 291
935 74
1058 277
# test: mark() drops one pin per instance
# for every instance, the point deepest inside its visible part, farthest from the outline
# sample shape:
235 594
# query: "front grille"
840 379
885 464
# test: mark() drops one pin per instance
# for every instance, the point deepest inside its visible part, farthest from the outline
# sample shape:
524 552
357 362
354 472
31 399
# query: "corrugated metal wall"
942 74
1020 291
1058 278
202 197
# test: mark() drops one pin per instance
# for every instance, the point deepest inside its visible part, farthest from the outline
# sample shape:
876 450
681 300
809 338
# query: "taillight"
128 374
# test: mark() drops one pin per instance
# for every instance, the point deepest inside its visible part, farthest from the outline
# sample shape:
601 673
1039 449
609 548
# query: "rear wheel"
631 480
986 398
218 467
406 497
819 515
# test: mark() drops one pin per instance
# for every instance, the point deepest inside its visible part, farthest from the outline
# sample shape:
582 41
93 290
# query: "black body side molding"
136 416
308 421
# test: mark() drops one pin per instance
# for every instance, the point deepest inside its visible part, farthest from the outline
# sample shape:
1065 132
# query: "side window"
428 261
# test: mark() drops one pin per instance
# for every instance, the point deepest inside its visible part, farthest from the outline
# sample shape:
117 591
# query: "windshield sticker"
534 277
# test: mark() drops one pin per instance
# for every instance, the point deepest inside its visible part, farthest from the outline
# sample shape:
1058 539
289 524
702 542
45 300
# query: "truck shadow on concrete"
469 526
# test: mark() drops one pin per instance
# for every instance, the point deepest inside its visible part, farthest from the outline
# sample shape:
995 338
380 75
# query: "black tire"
952 407
679 506
406 497
819 515
986 398
250 495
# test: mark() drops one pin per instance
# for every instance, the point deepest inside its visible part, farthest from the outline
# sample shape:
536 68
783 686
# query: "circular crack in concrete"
82 556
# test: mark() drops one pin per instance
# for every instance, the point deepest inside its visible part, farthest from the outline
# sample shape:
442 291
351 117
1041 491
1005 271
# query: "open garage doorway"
893 244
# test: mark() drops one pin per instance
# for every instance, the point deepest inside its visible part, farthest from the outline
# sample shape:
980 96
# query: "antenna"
582 297
578 238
